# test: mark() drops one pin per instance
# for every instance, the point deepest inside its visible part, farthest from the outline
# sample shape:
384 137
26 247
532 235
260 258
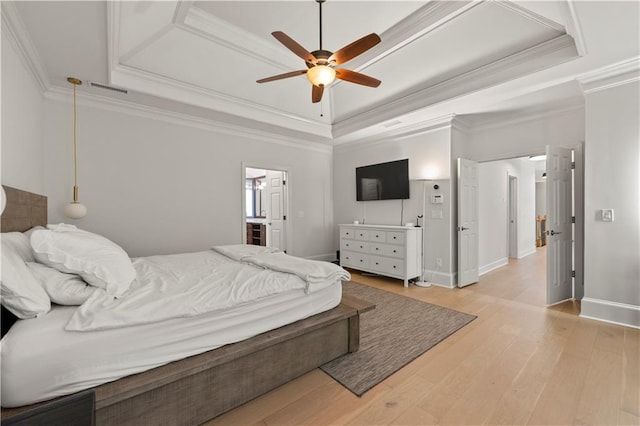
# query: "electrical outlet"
439 261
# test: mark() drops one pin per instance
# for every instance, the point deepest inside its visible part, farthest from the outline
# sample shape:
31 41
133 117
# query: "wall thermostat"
436 199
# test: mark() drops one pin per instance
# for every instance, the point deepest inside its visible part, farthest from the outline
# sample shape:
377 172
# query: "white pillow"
63 289
21 293
20 244
100 262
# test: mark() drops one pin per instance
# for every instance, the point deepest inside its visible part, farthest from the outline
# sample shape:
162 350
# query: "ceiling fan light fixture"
321 75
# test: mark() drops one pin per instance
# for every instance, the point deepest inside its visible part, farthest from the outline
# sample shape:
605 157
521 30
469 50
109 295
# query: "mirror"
256 197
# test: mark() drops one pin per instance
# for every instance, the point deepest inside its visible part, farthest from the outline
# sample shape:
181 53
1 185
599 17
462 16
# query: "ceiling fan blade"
356 77
281 76
354 49
293 46
316 93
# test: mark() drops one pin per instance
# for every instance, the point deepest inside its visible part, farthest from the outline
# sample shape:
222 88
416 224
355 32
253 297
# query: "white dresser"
393 251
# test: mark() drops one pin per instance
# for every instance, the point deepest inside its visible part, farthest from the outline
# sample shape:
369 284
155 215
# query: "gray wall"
612 181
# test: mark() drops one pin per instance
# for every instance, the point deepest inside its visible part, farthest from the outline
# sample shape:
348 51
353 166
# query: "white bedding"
179 305
183 285
40 360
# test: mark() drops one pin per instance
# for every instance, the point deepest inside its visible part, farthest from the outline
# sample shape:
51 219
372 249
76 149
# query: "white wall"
612 181
494 211
157 186
429 156
541 198
22 159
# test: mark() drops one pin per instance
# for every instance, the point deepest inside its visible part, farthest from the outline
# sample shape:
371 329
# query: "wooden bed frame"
201 387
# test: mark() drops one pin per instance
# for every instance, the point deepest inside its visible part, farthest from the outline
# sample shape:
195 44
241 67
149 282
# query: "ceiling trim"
574 28
130 108
613 75
432 15
526 13
14 28
527 116
424 127
146 82
541 56
225 34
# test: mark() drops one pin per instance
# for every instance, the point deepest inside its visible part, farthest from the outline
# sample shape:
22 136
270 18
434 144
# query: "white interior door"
276 210
513 217
559 239
468 243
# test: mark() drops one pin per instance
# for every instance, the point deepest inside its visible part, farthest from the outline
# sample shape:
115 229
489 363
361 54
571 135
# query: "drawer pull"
377 263
394 266
361 261
377 248
394 238
377 236
394 250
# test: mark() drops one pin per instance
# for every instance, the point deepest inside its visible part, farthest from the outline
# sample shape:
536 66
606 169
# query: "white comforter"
183 285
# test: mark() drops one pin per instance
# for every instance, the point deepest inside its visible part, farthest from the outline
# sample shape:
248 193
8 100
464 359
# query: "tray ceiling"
207 55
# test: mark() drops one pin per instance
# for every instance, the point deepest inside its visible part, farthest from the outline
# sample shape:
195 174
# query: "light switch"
607 215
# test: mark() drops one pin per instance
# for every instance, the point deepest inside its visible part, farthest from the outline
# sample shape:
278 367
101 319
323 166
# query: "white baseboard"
612 312
327 257
493 265
526 253
441 279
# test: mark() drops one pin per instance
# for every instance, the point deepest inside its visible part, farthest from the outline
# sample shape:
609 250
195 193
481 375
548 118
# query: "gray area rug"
396 332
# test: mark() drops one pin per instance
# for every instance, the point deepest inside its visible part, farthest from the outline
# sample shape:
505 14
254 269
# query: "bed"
195 386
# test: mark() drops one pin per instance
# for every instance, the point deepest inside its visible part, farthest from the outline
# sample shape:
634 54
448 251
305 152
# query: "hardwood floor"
517 363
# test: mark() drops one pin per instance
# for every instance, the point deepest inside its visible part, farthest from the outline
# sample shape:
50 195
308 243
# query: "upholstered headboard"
23 211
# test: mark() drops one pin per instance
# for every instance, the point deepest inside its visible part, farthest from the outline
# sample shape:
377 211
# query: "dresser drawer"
377 236
353 259
386 265
387 250
348 233
395 237
353 245
362 234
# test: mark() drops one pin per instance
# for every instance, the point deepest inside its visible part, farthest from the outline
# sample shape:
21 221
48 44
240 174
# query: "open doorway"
264 200
512 218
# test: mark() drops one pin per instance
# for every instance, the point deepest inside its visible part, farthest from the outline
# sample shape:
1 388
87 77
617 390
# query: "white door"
513 217
276 210
468 243
559 240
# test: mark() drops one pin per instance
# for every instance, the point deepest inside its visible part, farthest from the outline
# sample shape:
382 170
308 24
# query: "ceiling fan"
321 63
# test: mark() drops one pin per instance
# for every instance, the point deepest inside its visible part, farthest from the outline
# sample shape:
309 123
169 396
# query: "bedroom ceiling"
202 58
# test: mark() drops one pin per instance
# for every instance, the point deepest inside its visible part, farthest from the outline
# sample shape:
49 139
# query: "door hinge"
573 274
284 182
573 219
284 217
573 165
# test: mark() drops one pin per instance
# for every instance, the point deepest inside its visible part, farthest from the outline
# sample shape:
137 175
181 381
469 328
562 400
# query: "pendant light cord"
75 145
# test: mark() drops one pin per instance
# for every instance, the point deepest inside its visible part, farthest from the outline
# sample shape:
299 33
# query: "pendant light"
75 209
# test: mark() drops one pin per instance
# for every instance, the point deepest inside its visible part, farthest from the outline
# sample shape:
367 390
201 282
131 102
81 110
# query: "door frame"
512 214
286 196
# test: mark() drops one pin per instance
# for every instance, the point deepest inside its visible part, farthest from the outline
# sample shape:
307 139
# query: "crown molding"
528 116
429 126
574 29
146 82
429 17
536 58
534 17
221 32
14 29
130 108
618 74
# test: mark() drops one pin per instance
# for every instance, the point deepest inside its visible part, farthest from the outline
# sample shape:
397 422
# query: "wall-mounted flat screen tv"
384 181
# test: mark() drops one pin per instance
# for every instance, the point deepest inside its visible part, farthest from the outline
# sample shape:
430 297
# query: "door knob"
552 232
462 228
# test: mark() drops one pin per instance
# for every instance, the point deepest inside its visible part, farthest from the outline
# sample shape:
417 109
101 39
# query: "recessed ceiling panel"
480 36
